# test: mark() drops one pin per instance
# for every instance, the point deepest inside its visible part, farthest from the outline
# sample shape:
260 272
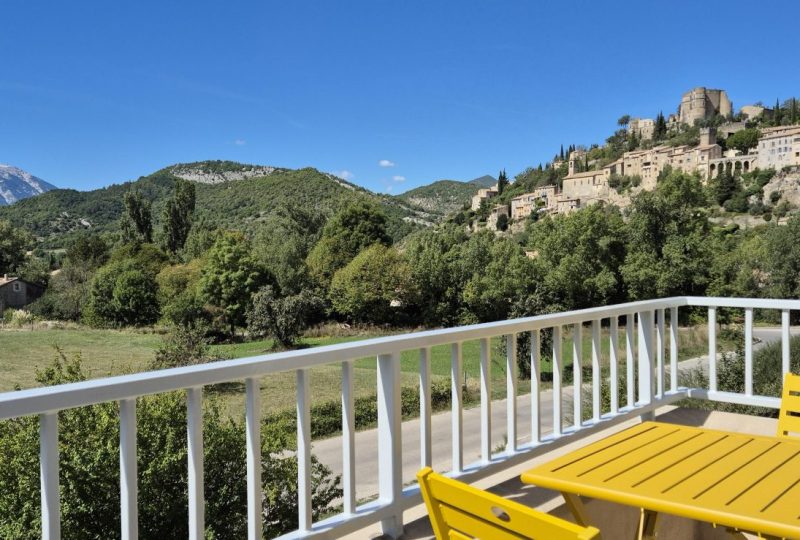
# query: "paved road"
329 451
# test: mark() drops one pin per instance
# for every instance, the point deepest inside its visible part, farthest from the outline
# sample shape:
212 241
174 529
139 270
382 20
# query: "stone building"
543 197
779 147
753 111
484 194
17 293
494 216
642 128
703 103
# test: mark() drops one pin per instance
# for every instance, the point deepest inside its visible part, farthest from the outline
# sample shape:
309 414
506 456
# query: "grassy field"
114 352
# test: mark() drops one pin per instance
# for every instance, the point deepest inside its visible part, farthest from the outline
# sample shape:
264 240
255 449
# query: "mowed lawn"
113 352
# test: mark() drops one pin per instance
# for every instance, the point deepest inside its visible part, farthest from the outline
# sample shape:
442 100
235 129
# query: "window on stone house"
16 286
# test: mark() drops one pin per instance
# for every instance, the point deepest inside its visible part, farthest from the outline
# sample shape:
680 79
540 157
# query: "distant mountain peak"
16 184
484 181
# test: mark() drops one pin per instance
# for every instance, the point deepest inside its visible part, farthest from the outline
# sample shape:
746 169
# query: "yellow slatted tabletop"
742 481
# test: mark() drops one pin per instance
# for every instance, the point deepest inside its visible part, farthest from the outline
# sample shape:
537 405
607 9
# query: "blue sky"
93 93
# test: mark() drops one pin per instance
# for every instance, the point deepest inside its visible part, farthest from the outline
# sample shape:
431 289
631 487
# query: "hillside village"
709 112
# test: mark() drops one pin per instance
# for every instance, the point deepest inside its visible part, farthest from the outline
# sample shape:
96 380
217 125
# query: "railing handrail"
66 396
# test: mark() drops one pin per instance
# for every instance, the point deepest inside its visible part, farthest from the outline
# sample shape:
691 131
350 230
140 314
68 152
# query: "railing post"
645 346
557 377
457 407
486 402
536 377
426 454
511 392
673 349
712 349
660 344
48 473
129 506
194 436
303 451
348 438
390 471
577 374
748 351
785 343
630 328
613 358
253 429
596 372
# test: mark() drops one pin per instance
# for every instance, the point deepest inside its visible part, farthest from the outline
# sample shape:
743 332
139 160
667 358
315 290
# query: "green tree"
660 128
137 222
624 120
783 262
432 257
13 242
724 187
89 470
122 293
178 214
373 287
357 226
502 182
89 249
744 140
579 256
179 294
282 319
229 278
667 251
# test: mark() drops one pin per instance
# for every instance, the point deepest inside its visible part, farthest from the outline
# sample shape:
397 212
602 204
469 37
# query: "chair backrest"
461 512
789 419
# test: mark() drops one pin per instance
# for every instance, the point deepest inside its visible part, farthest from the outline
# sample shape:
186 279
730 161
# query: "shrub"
182 346
19 317
283 319
89 452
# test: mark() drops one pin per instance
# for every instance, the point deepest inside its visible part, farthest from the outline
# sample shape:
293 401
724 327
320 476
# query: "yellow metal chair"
789 419
461 512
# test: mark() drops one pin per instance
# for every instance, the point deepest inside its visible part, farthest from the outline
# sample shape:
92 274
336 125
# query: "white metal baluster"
348 438
712 349
558 368
426 454
511 392
630 328
486 402
194 436
48 474
645 348
673 349
457 407
536 377
613 358
577 374
390 446
303 451
253 427
660 344
785 342
129 506
596 374
748 351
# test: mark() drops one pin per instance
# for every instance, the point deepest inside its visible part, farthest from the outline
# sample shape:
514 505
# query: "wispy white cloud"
240 142
344 174
399 178
387 163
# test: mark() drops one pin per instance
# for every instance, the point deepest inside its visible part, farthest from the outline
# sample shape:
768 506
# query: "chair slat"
788 420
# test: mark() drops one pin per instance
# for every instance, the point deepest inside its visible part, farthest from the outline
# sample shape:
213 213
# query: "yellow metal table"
744 482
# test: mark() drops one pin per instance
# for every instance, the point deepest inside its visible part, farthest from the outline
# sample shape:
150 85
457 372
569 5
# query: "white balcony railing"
646 335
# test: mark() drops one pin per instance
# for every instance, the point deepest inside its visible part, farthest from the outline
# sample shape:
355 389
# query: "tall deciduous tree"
178 215
744 140
137 222
12 247
357 226
230 277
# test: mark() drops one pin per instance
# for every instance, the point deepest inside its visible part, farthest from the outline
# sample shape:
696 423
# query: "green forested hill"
58 215
442 197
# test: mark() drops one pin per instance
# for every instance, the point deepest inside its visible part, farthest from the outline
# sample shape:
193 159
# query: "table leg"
575 505
648 525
